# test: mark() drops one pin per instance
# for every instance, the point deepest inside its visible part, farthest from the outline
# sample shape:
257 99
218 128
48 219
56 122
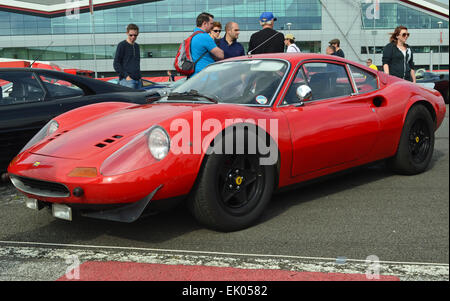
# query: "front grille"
39 187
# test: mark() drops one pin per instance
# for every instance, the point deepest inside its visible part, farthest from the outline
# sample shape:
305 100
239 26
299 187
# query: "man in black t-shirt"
337 44
266 40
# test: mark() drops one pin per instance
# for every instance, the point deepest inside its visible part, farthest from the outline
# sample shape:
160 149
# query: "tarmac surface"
365 222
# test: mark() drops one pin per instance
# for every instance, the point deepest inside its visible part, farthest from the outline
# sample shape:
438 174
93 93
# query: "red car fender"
282 142
435 108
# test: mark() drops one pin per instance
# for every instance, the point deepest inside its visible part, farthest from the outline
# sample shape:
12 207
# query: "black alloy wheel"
232 189
419 141
416 144
240 183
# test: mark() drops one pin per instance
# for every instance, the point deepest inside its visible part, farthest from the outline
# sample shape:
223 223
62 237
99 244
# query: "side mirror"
304 93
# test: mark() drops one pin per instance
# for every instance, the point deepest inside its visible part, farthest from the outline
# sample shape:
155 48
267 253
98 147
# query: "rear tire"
416 144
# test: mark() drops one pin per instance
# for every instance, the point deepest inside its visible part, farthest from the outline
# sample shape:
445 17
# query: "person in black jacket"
128 59
398 57
266 40
336 43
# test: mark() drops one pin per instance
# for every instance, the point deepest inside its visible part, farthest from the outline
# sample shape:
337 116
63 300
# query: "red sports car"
227 138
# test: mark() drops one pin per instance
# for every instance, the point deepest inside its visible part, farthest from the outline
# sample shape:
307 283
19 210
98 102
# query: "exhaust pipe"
4 177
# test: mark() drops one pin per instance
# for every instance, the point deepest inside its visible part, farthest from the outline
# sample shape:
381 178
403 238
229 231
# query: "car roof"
83 80
294 58
29 69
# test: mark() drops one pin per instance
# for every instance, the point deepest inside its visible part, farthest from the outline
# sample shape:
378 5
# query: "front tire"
416 144
233 191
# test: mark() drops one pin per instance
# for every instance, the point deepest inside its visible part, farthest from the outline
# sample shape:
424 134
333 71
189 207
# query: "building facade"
75 34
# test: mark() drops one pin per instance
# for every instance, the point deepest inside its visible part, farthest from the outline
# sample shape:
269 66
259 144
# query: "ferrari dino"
227 138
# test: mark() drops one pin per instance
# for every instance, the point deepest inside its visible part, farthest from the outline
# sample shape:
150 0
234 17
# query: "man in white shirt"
289 41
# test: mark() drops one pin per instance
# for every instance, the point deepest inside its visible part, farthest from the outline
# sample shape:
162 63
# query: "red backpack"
183 61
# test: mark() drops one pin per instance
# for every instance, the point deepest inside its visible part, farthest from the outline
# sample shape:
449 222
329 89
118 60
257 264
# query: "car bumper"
126 213
50 182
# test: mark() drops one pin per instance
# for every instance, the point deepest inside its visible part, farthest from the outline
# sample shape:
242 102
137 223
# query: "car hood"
106 132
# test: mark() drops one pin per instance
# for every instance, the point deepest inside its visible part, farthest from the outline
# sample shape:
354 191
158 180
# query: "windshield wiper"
194 94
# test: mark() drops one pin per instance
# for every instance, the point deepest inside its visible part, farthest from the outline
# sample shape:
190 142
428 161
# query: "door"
64 94
336 126
23 111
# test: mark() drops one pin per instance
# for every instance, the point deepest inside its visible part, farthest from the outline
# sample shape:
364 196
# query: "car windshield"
252 82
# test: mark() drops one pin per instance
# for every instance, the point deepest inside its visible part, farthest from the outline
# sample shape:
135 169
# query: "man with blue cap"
266 40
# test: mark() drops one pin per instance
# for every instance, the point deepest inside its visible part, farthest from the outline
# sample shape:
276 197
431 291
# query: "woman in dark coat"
398 56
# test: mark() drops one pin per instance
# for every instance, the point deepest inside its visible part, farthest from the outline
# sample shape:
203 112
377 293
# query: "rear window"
365 81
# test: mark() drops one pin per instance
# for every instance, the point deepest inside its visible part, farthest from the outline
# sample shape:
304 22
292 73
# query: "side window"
364 81
291 95
327 80
59 88
20 87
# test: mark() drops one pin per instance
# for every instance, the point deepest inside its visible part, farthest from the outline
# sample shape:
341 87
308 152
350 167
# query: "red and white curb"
42 261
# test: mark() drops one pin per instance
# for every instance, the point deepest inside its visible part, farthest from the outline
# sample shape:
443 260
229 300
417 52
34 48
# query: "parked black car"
30 98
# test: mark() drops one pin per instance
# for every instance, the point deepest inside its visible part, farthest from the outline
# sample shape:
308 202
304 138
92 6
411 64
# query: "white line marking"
35 254
54 252
207 252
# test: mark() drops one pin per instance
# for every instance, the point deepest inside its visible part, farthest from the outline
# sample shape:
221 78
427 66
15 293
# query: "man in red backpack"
204 50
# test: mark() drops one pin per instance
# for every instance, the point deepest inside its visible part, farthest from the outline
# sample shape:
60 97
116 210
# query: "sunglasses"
217 30
405 35
133 35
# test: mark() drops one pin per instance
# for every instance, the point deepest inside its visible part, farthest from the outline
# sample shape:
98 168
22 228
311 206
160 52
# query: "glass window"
19 88
327 80
73 52
291 95
252 82
6 87
302 14
365 81
393 14
59 88
415 49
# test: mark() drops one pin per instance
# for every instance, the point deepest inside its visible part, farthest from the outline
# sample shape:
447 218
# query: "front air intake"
39 187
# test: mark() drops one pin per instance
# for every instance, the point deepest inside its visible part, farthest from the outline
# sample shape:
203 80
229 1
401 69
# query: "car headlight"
52 127
147 148
158 143
47 130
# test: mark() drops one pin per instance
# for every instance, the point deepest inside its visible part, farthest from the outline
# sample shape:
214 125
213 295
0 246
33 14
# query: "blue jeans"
135 84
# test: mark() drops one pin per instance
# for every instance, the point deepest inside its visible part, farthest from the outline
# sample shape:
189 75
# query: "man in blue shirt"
229 44
203 49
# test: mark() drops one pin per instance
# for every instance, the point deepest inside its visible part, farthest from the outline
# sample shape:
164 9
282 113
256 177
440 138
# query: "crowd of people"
207 46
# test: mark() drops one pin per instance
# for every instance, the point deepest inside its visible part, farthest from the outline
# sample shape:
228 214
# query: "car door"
23 111
336 126
64 94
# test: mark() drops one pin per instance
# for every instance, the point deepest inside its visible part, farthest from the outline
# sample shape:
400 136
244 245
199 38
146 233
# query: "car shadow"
331 185
323 187
153 229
